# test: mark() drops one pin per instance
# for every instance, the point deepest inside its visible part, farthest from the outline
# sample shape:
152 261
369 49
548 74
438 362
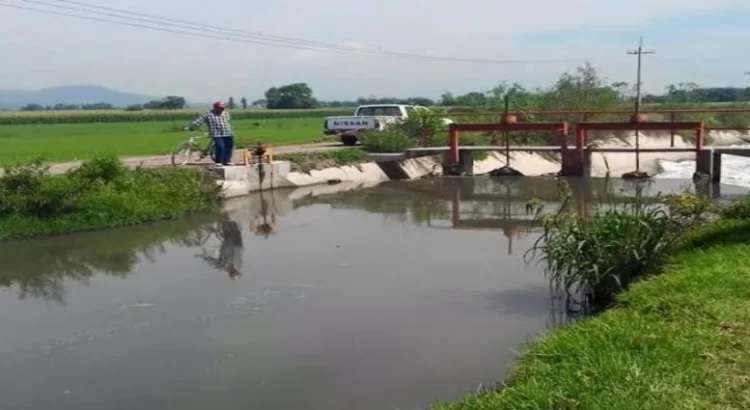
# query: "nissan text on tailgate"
366 117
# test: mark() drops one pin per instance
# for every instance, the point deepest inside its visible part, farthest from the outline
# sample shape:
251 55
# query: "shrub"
389 140
101 193
106 168
23 177
421 124
739 209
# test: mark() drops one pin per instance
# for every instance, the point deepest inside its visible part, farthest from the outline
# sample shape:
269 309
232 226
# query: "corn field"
109 116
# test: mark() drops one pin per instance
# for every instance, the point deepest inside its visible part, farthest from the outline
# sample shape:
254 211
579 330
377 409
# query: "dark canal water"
381 298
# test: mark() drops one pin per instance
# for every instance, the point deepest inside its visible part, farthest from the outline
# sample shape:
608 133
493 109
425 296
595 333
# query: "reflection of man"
230 250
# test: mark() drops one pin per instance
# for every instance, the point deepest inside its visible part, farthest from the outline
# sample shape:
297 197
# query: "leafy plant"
601 255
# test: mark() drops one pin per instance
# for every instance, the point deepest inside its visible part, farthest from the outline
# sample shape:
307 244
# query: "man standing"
220 129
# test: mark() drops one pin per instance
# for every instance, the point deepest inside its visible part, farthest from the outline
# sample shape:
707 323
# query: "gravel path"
165 160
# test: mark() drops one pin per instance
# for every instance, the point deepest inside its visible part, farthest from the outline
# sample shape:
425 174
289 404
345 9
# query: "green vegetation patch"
309 161
102 193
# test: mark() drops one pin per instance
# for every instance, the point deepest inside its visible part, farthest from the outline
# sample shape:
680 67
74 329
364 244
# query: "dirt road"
165 160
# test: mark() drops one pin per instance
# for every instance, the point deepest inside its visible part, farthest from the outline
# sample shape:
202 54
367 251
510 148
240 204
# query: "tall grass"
601 255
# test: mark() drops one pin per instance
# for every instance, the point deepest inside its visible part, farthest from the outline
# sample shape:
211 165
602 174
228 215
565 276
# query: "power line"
214 32
222 29
194 26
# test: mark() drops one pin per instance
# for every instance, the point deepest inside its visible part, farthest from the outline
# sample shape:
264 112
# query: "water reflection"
39 268
500 204
228 254
264 221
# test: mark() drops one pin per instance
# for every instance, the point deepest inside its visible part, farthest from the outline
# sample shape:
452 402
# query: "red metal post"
671 132
580 138
699 137
580 143
585 133
453 143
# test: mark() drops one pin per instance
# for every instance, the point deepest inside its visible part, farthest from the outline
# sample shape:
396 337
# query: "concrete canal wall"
243 180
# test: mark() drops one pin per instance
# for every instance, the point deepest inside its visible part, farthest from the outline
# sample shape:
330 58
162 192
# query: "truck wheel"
349 140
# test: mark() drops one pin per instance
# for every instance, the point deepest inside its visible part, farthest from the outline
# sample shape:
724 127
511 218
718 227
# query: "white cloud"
49 50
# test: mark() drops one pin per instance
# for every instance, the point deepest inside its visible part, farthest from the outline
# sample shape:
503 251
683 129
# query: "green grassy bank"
67 142
102 193
679 339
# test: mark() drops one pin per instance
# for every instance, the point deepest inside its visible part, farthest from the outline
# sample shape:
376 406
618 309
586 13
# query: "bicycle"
183 153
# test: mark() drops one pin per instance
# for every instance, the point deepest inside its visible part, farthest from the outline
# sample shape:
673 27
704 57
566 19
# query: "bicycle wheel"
183 153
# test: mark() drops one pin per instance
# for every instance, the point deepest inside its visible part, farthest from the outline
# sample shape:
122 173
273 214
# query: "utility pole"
639 52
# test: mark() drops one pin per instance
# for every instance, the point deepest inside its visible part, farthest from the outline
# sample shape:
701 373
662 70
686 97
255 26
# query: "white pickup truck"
369 117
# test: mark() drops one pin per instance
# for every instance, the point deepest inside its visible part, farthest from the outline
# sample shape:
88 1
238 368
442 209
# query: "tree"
447 100
98 106
472 99
290 96
32 107
167 103
243 101
231 103
581 90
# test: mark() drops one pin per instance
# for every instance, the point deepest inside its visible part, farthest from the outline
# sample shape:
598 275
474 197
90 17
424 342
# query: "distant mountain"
75 94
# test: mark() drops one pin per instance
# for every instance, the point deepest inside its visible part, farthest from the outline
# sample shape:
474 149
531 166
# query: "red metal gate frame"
561 128
583 128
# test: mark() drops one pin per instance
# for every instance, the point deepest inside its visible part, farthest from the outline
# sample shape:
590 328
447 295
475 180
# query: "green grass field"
67 142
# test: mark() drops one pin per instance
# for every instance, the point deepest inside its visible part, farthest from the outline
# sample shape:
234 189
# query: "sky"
698 41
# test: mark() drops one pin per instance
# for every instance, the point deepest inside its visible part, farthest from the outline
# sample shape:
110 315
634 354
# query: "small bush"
389 140
689 206
106 168
23 177
736 210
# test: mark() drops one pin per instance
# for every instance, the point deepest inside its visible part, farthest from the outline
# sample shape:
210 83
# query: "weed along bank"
101 193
